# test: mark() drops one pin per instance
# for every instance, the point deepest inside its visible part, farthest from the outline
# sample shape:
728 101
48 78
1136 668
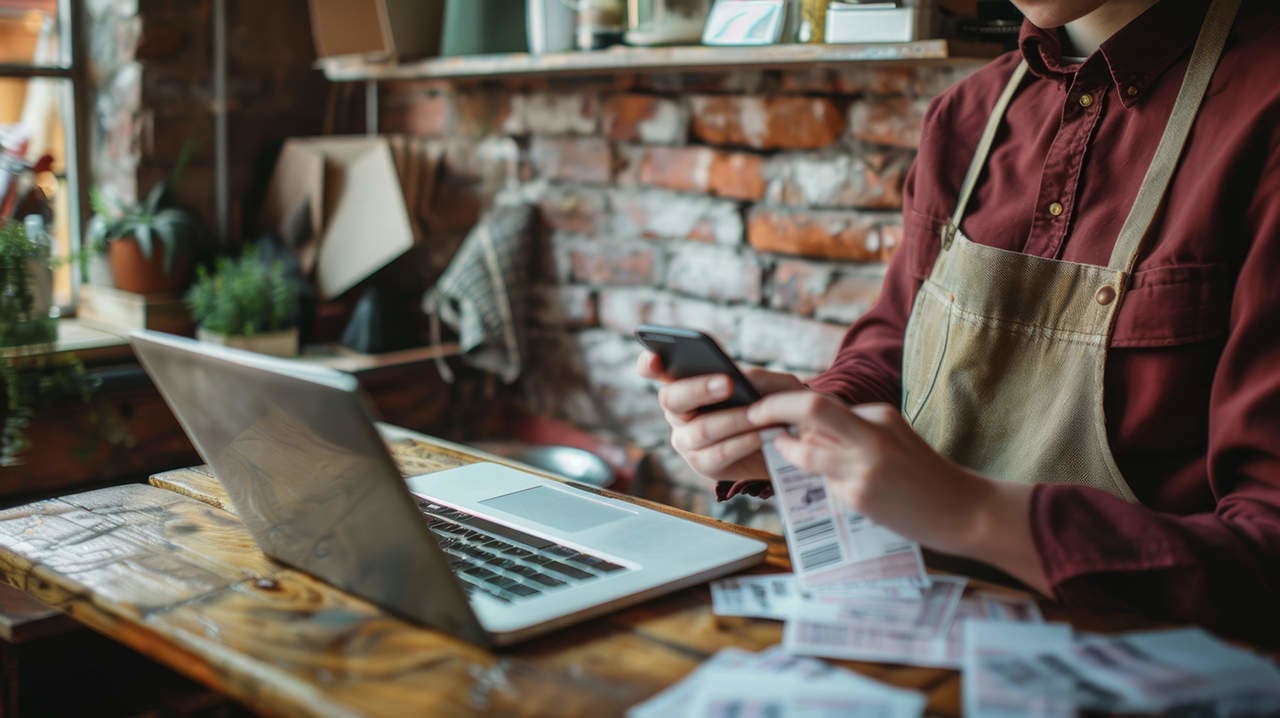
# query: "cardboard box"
377 29
343 203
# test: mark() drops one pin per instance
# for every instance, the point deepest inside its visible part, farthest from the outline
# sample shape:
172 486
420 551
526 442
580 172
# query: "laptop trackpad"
556 509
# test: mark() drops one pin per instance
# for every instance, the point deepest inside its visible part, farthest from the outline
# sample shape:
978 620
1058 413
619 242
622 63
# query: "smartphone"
685 353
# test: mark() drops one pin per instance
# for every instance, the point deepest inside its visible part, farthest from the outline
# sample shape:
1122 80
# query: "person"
1072 373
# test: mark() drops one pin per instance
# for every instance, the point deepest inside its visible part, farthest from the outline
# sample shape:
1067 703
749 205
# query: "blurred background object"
551 25
666 22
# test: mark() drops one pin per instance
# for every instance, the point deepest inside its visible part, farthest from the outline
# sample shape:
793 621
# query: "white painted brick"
553 113
715 272
670 215
788 340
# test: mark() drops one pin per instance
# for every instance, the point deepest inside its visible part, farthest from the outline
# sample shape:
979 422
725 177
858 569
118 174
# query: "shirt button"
1056 209
1131 91
1106 295
1086 100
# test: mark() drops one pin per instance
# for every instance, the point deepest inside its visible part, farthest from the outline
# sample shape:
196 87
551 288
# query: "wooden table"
169 570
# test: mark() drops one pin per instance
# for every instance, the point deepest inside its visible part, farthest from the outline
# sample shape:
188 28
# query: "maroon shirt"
1192 395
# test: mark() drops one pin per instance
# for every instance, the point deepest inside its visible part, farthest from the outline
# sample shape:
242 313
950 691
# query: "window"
41 127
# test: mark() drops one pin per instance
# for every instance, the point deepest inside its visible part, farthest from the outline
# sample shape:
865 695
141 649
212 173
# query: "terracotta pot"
133 272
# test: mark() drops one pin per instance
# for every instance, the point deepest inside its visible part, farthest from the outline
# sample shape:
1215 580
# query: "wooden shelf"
656 59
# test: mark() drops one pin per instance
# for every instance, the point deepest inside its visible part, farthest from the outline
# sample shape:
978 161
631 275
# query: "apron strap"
1204 60
984 149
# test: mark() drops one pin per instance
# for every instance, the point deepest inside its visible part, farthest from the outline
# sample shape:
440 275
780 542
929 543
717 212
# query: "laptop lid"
298 454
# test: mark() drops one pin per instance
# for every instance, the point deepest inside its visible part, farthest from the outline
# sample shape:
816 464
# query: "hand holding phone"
686 353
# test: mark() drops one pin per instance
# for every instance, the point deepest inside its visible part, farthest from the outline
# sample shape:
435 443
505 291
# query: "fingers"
649 366
688 395
807 453
807 410
717 459
708 429
770 382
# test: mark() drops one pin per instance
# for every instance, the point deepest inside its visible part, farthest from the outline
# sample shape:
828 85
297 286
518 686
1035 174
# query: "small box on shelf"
117 310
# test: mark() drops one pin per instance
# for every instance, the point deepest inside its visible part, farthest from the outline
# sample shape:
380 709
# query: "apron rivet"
1106 295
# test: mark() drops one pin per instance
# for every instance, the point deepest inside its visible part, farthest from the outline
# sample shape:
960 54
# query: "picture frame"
748 22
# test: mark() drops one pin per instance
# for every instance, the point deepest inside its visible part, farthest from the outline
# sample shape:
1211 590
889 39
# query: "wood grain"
170 571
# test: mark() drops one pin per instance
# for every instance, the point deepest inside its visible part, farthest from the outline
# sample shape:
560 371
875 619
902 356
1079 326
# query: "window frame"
73 70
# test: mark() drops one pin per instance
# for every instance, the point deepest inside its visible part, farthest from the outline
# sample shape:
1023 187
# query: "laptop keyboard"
506 563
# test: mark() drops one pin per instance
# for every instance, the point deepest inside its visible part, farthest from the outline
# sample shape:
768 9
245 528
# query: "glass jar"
666 22
601 23
813 21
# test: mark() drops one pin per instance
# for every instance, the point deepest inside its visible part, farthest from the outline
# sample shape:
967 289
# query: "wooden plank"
23 618
179 580
657 59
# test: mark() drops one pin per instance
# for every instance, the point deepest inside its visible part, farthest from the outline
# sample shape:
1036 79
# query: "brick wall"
757 206
151 64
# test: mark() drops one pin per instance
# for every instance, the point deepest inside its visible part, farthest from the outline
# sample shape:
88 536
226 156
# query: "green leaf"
142 235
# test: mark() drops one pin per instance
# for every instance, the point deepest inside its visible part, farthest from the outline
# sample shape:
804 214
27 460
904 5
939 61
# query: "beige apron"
1004 353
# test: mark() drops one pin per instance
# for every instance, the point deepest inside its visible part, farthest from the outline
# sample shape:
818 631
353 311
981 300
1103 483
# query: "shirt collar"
1135 57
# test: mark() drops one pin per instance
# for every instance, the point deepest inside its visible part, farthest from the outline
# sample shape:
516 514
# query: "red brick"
592 261
768 122
738 175
573 209
585 159
893 121
890 239
875 79
628 160
823 290
686 169
824 234
797 285
840 178
851 295
644 118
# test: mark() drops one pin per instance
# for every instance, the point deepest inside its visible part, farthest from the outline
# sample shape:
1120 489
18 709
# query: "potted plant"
149 244
34 378
26 287
246 303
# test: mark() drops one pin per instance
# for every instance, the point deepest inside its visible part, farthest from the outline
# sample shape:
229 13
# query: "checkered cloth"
483 293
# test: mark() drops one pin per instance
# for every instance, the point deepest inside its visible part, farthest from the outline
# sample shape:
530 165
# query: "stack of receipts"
889 625
859 591
772 683
1018 670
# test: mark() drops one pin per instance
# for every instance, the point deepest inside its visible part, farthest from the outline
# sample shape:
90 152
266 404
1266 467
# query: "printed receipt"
831 545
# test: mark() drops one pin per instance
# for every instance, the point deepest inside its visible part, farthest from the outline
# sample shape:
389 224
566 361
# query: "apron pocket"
923 347
1173 306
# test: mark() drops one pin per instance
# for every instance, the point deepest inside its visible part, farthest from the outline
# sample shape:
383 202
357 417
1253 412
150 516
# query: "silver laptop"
485 552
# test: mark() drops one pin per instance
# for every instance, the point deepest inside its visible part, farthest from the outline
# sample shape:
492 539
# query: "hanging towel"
483 293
